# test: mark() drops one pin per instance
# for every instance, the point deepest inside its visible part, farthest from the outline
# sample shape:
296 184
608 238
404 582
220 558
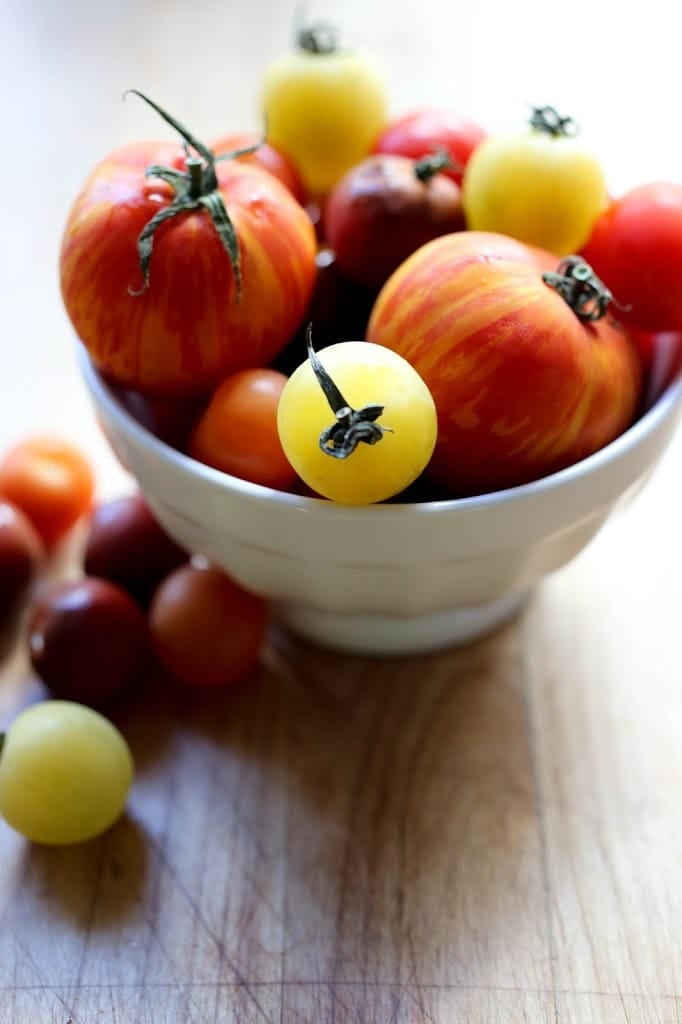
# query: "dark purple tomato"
128 546
87 640
384 209
21 552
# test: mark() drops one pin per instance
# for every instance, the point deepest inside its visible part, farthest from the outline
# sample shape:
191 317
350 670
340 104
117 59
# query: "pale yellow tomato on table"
65 772
401 442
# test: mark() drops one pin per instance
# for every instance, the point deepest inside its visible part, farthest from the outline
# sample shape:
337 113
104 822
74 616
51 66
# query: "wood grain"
489 835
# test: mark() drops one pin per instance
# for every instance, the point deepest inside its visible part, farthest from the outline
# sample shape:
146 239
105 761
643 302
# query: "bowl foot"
386 635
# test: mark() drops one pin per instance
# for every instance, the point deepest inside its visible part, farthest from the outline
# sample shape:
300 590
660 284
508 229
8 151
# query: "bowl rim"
647 422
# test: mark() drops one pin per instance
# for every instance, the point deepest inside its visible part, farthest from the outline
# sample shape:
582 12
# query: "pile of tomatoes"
494 266
358 307
139 608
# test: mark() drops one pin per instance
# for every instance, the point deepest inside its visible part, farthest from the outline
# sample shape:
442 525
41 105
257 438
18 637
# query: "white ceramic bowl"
395 578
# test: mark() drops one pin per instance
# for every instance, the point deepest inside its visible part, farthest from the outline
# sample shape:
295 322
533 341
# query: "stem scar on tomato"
353 426
547 119
194 189
581 289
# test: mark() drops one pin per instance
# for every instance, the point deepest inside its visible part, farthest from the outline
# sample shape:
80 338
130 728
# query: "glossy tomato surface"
188 329
423 131
521 385
636 248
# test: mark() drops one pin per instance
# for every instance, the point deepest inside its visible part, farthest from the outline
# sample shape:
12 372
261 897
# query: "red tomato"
87 640
207 631
661 356
127 546
187 326
51 481
20 555
238 431
522 386
424 131
266 156
636 249
383 209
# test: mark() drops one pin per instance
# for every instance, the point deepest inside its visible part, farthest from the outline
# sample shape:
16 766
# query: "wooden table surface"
488 835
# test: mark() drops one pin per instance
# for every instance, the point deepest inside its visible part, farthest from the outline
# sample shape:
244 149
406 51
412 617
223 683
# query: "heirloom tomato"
540 186
424 131
636 248
324 106
177 270
362 452
384 208
527 374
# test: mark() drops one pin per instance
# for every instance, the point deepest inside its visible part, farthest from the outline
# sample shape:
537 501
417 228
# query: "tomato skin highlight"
238 431
51 481
186 331
423 131
636 249
521 385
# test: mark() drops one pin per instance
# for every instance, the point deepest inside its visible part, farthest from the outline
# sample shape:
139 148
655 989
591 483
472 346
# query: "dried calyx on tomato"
195 188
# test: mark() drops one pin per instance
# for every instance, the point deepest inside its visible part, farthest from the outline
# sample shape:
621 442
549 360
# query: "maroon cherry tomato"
206 630
127 546
384 209
87 639
21 552
662 361
424 131
636 249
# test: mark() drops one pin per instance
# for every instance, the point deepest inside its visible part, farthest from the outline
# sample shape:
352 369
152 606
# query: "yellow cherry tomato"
541 187
65 772
399 436
324 108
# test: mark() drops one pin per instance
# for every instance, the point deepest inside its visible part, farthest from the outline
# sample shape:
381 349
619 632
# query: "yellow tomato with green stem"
324 107
541 186
357 423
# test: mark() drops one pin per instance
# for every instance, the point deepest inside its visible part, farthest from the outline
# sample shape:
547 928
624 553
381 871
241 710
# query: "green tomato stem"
580 288
546 119
353 426
433 163
318 38
195 189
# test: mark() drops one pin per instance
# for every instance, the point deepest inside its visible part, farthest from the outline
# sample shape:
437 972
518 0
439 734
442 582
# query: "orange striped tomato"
522 385
189 327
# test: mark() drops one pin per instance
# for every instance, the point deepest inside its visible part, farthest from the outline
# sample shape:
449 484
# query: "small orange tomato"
238 431
51 481
206 630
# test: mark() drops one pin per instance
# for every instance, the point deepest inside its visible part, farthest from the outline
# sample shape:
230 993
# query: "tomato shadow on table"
94 885
397 792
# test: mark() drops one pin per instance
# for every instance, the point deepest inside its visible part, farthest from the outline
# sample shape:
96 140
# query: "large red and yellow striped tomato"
523 383
177 271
